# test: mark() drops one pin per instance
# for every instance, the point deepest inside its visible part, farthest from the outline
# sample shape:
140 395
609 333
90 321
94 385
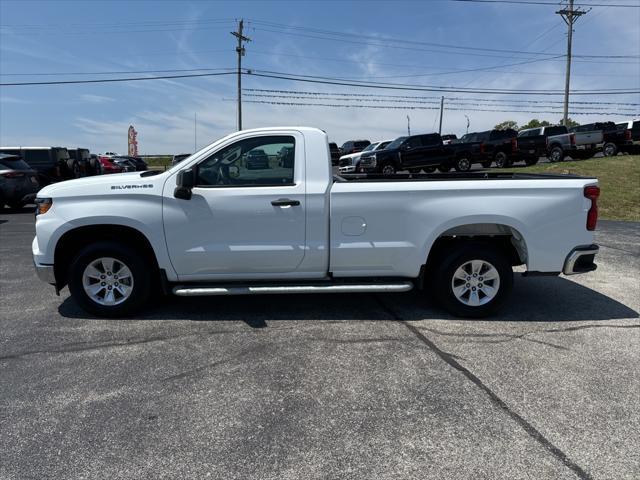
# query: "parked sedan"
18 182
125 163
257 160
108 165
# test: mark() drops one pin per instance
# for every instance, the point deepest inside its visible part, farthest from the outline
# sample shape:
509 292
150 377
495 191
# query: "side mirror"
184 183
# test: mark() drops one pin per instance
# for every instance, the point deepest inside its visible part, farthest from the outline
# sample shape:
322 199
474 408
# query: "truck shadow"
548 299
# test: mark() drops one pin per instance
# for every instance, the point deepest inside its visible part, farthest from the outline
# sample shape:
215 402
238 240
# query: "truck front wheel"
109 279
473 280
463 165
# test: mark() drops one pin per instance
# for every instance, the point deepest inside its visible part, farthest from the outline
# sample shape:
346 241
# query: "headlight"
373 160
43 205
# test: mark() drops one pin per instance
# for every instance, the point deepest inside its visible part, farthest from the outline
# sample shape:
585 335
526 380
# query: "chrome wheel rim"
475 283
388 170
500 158
555 156
464 164
608 151
107 281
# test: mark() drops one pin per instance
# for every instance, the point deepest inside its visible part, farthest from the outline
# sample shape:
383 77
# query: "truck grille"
345 162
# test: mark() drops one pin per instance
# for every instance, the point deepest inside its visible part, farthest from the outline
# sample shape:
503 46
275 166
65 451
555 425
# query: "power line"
417 87
395 107
376 95
334 33
122 72
110 80
531 2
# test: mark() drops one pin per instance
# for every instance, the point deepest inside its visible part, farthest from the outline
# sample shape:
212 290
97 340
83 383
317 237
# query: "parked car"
257 159
485 148
178 158
353 146
633 135
111 154
96 164
299 230
108 165
125 163
139 164
350 163
18 182
83 157
52 163
553 142
610 139
449 138
334 151
414 153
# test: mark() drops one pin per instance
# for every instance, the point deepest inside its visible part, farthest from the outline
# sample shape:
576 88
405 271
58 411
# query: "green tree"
507 124
535 123
570 122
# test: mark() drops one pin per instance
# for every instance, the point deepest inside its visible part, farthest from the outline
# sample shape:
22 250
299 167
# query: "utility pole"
408 126
468 122
441 111
240 50
570 16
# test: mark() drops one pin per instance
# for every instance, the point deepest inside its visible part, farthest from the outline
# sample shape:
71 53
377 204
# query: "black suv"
353 146
51 163
414 153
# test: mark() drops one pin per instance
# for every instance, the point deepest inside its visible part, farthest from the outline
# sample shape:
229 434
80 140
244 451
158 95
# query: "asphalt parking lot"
354 386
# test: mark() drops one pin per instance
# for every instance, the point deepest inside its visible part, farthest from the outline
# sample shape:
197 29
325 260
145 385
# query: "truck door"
243 219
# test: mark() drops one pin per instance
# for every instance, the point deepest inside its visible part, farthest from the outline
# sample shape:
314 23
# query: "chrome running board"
196 291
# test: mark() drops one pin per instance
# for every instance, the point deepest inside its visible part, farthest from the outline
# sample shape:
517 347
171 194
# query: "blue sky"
116 36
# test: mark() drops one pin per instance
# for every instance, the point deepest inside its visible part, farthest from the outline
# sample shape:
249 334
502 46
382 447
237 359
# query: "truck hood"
351 155
102 184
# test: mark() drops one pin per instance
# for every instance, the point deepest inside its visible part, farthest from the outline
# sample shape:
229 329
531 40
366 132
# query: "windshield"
397 142
371 147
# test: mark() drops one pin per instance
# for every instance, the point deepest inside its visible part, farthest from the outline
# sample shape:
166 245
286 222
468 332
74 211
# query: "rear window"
13 164
432 139
551 131
37 156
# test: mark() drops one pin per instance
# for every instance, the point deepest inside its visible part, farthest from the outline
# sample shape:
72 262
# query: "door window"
414 142
252 162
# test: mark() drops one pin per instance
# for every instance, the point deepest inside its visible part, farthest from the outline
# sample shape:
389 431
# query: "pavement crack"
76 347
495 399
585 327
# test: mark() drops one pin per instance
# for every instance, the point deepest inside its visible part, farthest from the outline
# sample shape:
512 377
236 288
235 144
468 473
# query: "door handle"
285 202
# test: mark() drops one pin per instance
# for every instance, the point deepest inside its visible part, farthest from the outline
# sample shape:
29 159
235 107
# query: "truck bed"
424 177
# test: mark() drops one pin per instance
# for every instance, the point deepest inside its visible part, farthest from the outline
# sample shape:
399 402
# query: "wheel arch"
503 235
72 241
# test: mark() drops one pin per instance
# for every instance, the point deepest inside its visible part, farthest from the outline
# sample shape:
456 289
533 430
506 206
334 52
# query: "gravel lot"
354 386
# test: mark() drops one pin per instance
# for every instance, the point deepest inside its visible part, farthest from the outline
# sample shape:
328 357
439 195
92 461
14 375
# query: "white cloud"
91 98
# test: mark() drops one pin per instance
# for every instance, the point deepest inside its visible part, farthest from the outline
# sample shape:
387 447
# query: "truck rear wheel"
556 154
473 280
109 279
463 165
502 160
610 149
444 168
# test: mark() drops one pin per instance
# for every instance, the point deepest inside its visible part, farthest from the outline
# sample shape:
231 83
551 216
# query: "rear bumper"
45 273
581 260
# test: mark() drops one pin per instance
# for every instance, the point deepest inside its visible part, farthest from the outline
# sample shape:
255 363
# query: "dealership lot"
353 386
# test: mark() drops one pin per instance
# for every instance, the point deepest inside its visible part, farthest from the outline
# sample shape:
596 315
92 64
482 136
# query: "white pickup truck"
219 224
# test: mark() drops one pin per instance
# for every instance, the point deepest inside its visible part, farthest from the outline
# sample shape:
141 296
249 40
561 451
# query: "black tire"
388 169
429 169
556 154
140 271
502 160
463 164
487 164
530 161
444 168
609 149
442 278
415 170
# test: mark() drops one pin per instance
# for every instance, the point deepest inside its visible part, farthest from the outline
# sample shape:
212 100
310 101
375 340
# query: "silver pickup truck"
556 142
